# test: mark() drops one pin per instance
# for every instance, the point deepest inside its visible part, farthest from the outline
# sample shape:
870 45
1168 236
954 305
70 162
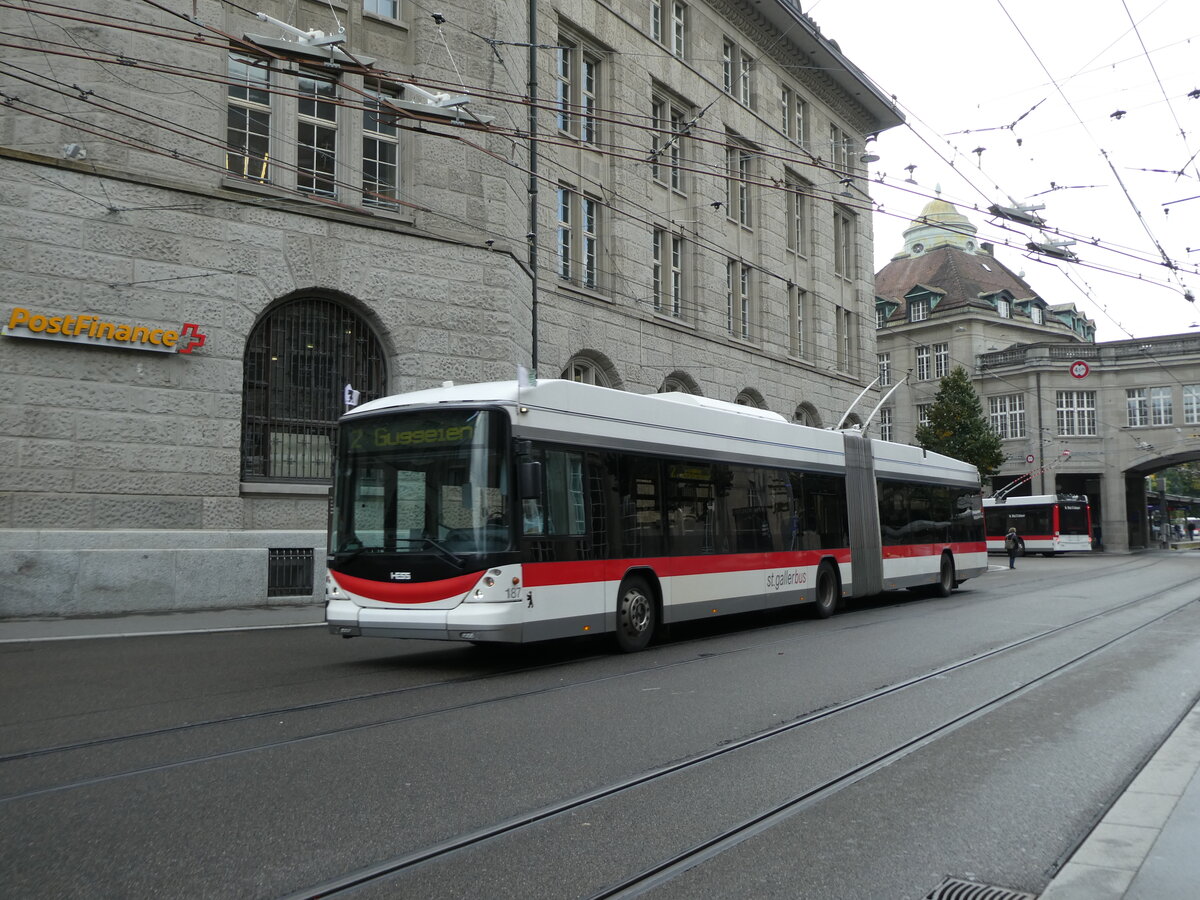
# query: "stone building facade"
1075 416
222 229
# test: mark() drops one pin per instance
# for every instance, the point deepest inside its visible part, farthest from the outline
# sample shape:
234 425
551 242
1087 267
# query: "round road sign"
1029 458
1079 369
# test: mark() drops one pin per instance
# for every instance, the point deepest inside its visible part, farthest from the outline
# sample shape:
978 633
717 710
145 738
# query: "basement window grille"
289 572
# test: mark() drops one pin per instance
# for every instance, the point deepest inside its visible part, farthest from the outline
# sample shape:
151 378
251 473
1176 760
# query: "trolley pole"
532 236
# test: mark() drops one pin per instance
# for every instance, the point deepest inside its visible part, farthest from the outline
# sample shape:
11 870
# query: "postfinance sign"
84 328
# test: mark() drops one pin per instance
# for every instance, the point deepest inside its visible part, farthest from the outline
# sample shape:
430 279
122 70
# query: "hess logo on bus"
401 576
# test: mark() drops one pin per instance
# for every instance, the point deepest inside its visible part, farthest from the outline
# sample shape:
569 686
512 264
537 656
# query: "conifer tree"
957 426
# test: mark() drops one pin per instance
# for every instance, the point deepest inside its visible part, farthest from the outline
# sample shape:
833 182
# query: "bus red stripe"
403 592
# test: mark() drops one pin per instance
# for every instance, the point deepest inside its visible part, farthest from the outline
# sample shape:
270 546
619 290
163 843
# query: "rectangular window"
577 81
923 414
844 237
885 369
248 119
578 237
941 360
389 9
1161 412
737 293
381 146
739 167
839 150
736 69
1076 413
670 32
881 316
1036 314
923 370
843 325
1004 309
668 273
1008 415
793 111
798 315
1137 407
669 124
316 135
1191 404
918 310
797 193
786 102
885 425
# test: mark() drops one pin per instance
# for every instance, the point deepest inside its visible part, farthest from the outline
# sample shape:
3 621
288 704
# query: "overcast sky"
1061 102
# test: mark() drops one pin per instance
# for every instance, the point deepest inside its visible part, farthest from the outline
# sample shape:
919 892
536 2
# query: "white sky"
958 65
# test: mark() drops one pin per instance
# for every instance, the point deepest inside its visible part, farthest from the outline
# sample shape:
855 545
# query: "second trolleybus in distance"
1045 523
507 512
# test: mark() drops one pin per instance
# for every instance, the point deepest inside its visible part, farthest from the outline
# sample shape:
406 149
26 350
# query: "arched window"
591 368
679 382
750 397
806 414
300 357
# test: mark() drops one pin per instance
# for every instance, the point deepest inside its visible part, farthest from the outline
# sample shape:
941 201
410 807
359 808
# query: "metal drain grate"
958 889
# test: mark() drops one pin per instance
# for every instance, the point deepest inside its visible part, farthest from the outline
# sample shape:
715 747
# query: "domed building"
1074 416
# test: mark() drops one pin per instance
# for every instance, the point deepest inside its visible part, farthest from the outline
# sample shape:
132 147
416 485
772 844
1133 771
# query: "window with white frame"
1036 314
885 424
738 300
1003 308
316 135
798 300
577 83
1191 404
1161 412
885 369
578 237
794 114
881 316
1008 415
669 124
923 369
845 337
1137 407
669 25
845 229
388 9
1076 413
941 360
797 193
918 310
381 146
736 69
585 371
739 168
840 146
248 119
667 254
923 414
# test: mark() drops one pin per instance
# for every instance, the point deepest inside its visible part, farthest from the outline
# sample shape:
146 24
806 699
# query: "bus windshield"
424 481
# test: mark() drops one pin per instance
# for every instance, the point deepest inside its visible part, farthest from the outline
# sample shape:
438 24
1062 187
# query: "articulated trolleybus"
506 512
1045 523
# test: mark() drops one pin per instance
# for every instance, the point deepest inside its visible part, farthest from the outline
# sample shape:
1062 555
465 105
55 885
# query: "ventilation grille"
958 889
290 572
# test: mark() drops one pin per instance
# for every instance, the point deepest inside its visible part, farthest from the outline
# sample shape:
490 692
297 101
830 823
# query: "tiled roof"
961 277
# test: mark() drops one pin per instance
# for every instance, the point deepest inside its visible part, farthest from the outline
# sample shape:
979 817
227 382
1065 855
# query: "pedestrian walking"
1011 543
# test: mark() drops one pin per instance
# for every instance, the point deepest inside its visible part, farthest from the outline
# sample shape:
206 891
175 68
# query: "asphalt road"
866 756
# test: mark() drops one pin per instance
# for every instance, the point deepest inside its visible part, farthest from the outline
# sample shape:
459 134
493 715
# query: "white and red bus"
506 512
1045 523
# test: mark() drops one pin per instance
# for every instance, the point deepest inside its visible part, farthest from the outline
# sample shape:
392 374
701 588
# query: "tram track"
442 709
674 865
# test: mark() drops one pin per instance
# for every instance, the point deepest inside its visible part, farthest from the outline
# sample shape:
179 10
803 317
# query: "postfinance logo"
90 329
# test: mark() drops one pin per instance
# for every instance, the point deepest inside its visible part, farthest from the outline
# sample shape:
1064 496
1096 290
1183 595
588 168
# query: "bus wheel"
827 592
945 582
637 615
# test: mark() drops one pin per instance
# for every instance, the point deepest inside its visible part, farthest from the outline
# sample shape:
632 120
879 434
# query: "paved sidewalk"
1147 847
162 623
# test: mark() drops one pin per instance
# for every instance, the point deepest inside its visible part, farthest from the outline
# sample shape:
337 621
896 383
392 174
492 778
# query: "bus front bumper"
502 622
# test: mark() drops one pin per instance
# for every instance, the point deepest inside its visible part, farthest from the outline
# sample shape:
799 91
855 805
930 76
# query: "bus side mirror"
529 480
